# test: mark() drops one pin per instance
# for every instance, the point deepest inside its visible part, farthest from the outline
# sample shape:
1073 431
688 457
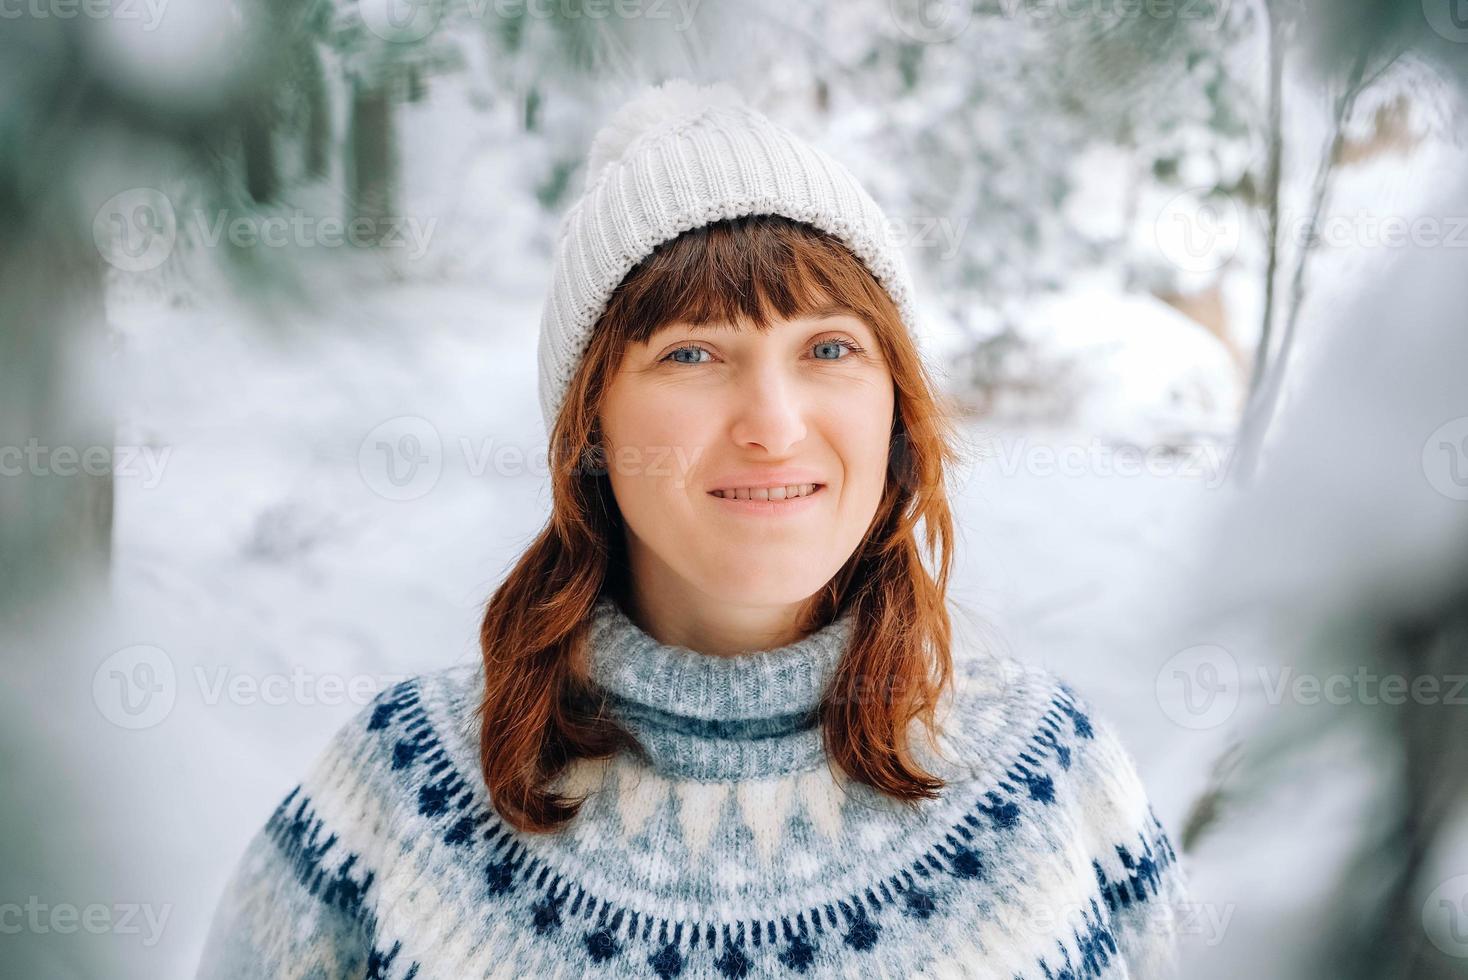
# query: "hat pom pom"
672 101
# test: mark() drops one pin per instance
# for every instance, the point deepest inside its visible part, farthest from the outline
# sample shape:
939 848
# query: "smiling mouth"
796 491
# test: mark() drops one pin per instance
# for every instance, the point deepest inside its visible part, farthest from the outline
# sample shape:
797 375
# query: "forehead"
825 314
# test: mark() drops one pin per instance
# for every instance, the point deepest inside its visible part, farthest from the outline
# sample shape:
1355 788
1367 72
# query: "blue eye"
672 355
689 354
836 344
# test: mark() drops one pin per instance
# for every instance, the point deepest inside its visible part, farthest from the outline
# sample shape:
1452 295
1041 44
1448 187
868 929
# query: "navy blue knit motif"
1144 868
298 832
604 932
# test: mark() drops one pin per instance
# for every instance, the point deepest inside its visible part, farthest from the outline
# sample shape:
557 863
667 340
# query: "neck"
743 715
667 609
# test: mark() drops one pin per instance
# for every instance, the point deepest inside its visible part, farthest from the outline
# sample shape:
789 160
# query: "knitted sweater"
733 850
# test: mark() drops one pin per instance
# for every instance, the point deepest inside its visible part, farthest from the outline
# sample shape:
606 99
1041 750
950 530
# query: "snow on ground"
1145 372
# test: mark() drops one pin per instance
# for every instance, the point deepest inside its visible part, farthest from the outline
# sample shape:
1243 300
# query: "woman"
719 729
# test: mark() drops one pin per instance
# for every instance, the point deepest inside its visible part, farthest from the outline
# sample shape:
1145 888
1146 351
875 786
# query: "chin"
766 583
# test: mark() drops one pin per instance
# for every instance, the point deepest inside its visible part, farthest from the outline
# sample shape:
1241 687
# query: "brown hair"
540 713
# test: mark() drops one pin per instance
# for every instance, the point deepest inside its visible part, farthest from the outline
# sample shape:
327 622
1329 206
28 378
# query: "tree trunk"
317 156
262 179
532 109
57 495
1264 399
373 161
1275 39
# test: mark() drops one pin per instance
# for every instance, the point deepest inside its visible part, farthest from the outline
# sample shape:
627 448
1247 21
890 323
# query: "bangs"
751 270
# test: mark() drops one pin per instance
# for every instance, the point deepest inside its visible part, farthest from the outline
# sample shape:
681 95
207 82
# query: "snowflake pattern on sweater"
733 850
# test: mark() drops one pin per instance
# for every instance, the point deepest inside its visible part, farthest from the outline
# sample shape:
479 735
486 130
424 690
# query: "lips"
780 492
763 479
754 508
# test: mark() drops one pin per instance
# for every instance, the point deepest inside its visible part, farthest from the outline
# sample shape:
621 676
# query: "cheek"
867 472
643 412
651 450
862 434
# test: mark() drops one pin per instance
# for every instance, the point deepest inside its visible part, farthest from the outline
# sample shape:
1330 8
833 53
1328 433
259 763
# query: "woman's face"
700 422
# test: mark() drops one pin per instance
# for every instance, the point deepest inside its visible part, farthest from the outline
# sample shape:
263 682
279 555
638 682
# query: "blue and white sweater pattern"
733 851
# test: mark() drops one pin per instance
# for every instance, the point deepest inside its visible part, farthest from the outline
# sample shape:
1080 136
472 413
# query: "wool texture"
731 848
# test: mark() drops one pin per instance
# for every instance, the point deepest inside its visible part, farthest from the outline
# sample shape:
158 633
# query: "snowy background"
1093 290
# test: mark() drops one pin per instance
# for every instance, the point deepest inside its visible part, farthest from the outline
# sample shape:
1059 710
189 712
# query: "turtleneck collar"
706 717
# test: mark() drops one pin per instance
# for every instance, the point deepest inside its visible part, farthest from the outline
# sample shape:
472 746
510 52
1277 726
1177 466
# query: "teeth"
767 493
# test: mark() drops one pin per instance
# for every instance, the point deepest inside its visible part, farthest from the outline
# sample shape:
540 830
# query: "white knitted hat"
680 156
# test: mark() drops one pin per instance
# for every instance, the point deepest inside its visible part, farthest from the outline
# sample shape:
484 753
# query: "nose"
768 411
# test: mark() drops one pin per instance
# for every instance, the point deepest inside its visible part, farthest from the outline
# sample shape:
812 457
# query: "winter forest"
1195 272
